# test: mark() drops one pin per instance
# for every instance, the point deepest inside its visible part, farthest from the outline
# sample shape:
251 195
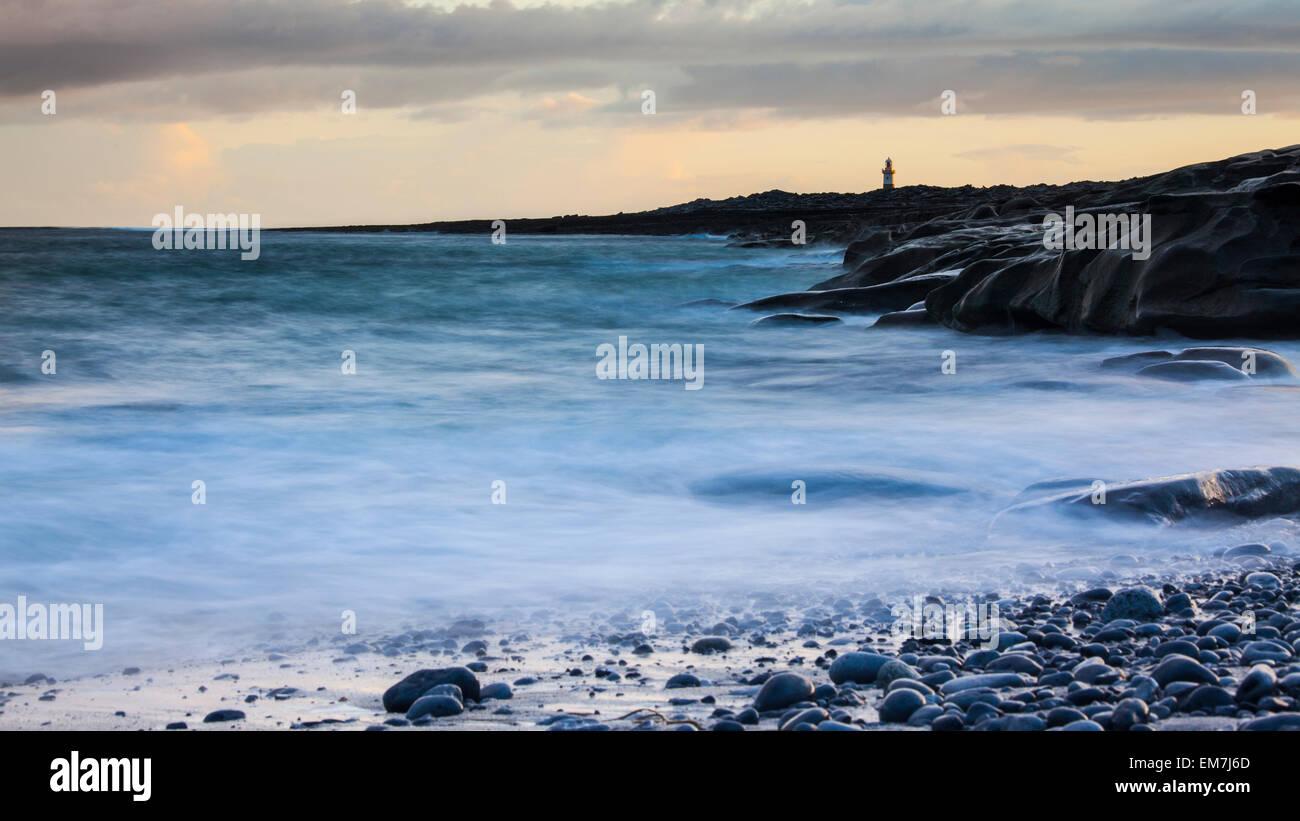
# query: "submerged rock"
904 319
829 484
872 299
1192 364
1263 362
1243 493
796 319
1193 371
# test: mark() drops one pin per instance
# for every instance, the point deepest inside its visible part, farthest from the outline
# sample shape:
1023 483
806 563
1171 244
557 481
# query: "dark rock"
1252 549
1133 603
1206 697
682 680
899 705
1087 726
1257 651
782 690
837 726
1135 361
796 319
1281 721
1268 364
711 644
947 723
1129 712
873 299
1181 668
1060 716
896 319
1014 663
892 671
1192 371
223 715
1200 280
1259 683
498 690
400 697
436 706
1085 696
860 668
813 716
984 680
1245 493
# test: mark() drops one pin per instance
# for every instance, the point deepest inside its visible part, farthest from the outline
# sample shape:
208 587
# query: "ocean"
380 491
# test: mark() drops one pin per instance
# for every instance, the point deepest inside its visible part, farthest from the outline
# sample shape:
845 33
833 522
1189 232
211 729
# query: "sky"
505 109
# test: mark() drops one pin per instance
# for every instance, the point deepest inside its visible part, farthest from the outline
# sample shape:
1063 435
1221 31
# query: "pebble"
1085 726
1181 668
813 716
947 723
1015 663
837 726
400 697
982 680
1257 651
1259 683
1281 721
1207 697
1133 603
899 705
498 690
223 715
1129 712
711 644
894 670
857 667
1265 580
436 706
1061 716
782 690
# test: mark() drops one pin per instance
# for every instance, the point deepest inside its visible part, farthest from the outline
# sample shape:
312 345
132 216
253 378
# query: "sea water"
476 462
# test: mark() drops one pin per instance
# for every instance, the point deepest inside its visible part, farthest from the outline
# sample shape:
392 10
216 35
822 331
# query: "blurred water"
476 362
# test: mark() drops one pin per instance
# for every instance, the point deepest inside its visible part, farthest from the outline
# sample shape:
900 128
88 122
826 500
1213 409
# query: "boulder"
400 697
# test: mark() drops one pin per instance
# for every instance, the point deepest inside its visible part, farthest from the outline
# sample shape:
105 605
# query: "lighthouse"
888 171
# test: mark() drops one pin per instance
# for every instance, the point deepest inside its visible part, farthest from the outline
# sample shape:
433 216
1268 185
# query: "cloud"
1022 152
123 59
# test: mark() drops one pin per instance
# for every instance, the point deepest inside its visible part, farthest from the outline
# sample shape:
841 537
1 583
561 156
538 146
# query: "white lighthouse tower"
888 171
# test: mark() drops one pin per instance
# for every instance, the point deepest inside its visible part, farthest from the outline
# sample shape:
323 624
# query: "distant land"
759 217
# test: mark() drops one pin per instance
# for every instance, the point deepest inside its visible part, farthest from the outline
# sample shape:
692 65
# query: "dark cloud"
1125 58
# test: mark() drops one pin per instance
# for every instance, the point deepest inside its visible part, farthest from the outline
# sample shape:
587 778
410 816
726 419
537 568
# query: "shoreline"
1063 659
